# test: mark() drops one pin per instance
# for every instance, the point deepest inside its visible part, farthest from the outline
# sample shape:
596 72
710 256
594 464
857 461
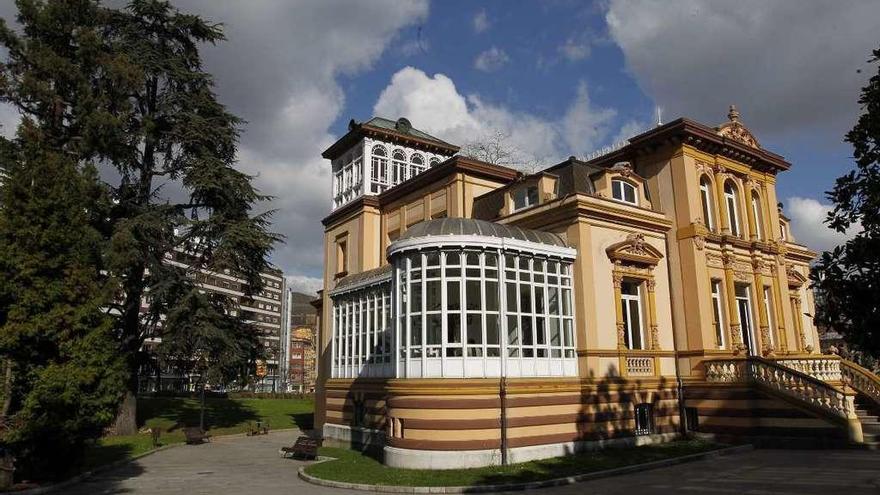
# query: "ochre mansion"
473 314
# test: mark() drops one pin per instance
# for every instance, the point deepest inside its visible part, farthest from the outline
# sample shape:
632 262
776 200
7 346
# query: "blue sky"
559 77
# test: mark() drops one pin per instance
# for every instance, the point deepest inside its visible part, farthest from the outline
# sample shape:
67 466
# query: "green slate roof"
408 129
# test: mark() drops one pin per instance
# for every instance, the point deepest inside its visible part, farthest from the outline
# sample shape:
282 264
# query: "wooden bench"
258 428
195 435
304 448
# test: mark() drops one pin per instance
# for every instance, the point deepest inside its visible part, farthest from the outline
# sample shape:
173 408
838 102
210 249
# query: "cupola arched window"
624 191
379 169
433 161
732 202
418 164
398 164
707 202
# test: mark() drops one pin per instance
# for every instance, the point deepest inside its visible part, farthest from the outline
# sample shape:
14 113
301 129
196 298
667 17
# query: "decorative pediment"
634 250
734 129
795 278
625 170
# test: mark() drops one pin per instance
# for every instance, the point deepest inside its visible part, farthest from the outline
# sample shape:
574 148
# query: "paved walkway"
251 466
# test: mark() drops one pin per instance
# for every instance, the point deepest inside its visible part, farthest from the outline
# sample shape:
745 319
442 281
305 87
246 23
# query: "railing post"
854 426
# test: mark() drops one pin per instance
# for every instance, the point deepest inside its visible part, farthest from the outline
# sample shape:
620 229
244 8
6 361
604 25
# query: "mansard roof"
398 131
470 226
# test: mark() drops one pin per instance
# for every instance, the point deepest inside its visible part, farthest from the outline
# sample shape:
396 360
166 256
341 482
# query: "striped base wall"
743 414
439 416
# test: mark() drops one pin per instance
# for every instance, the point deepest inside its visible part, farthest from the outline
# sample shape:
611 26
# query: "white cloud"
280 71
630 129
808 224
434 104
788 65
575 48
305 284
491 60
481 22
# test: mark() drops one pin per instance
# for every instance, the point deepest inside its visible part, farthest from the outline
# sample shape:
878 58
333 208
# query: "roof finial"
733 113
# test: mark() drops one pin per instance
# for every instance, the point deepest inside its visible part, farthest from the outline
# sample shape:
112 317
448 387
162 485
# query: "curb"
115 464
569 480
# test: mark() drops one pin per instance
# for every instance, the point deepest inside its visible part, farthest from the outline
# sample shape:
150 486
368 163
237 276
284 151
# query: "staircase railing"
825 368
860 379
816 394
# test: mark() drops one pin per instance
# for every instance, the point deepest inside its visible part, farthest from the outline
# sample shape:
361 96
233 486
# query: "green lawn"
222 417
354 467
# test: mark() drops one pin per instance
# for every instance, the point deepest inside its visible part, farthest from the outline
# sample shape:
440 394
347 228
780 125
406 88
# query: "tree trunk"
7 388
126 417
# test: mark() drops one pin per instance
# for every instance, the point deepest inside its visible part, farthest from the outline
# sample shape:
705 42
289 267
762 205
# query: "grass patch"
354 467
222 417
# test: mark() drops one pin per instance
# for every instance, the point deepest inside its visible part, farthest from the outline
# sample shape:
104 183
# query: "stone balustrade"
784 380
823 368
860 379
639 366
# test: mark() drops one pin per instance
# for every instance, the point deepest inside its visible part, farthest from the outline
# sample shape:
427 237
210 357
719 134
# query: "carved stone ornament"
714 260
625 169
700 242
735 130
635 249
795 278
718 168
758 265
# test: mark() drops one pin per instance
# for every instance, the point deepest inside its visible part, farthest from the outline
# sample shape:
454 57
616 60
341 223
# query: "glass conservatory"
461 298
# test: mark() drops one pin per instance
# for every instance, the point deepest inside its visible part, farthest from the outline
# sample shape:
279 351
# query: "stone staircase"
869 417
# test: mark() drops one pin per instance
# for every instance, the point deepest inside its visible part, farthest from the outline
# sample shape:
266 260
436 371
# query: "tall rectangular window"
717 312
341 256
768 307
631 302
744 307
706 200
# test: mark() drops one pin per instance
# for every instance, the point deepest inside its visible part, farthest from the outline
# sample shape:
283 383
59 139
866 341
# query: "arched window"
433 161
379 168
418 164
756 216
624 191
730 198
707 202
398 163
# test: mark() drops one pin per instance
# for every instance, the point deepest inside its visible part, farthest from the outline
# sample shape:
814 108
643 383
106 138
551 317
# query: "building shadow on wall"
606 420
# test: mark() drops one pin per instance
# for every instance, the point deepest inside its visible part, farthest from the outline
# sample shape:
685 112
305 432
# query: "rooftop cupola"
379 154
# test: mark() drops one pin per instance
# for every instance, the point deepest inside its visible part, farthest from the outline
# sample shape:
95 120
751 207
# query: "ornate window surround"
635 258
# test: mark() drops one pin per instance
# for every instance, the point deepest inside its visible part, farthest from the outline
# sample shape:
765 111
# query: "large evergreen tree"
848 277
64 375
127 88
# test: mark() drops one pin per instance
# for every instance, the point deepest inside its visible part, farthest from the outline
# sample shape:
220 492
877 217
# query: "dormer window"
624 192
525 197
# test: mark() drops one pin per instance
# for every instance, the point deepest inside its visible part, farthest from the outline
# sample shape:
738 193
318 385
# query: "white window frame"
706 203
771 320
756 214
719 310
626 301
522 197
747 324
730 193
619 193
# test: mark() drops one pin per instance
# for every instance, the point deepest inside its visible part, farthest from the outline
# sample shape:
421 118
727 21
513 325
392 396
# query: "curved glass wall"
362 333
478 312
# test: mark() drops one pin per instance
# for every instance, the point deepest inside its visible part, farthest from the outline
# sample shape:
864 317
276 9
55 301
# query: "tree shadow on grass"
172 413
